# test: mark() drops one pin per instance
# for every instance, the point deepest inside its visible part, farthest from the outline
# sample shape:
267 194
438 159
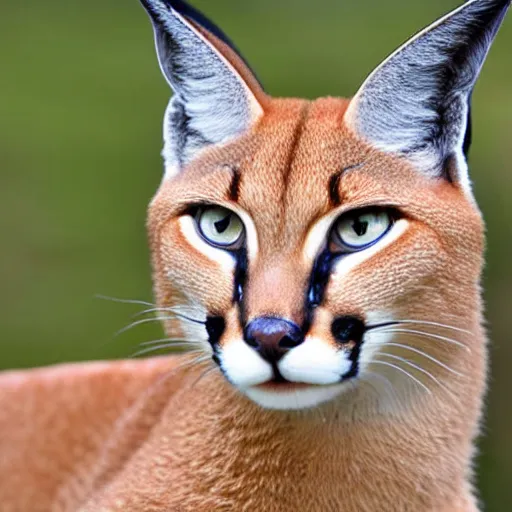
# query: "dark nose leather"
272 337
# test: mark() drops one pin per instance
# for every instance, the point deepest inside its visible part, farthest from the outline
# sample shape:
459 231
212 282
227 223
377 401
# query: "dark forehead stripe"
334 184
234 187
294 146
334 188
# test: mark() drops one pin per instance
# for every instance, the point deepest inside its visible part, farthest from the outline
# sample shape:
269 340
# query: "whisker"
381 326
157 348
189 363
416 367
160 309
203 375
424 354
140 322
124 301
175 312
153 308
184 345
436 324
188 318
405 372
176 341
428 335
367 378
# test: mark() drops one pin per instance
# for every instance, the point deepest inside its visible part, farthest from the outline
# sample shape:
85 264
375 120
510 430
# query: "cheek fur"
190 269
398 266
217 257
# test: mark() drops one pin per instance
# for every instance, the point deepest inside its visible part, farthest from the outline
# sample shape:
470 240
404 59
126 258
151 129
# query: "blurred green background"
81 105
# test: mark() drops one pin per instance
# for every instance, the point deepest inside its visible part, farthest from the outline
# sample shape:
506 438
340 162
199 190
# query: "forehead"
291 174
299 163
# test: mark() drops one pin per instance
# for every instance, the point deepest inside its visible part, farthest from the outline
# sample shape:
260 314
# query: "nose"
272 337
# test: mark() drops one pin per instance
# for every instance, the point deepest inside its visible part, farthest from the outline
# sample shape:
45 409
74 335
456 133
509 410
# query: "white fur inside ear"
172 164
212 103
218 256
416 103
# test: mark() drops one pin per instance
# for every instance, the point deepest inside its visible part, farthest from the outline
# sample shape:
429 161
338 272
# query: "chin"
291 396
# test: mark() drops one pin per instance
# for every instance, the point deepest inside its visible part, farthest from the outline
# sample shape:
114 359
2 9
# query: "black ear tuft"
216 96
417 103
200 19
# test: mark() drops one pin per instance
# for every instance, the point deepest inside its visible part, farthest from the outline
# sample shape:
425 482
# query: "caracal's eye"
220 227
358 230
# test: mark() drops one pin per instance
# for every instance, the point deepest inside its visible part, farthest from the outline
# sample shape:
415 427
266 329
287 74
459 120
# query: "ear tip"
488 5
157 7
491 13
185 10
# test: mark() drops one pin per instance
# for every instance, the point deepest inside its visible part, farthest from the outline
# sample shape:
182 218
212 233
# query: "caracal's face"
352 249
322 249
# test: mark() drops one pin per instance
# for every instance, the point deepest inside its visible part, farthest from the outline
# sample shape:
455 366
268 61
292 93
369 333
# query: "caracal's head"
312 248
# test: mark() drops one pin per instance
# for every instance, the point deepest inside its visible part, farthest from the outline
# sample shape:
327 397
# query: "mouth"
283 386
279 367
279 395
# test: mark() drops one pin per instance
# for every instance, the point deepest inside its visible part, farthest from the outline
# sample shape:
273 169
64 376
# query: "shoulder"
62 393
54 421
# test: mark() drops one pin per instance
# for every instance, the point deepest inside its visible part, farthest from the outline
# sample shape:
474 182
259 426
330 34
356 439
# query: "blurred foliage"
81 105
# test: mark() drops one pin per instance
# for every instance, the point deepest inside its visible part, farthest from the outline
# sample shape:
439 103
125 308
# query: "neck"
207 446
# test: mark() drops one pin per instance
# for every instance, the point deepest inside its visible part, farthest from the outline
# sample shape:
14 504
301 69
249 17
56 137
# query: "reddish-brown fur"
140 436
163 435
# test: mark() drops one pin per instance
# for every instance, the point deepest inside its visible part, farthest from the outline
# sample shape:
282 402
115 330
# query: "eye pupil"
220 227
359 227
358 230
223 224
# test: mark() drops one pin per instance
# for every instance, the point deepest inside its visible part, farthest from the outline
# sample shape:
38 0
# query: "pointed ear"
417 103
216 96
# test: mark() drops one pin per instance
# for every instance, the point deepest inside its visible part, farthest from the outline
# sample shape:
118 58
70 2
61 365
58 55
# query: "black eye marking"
239 282
348 328
320 278
334 193
215 327
334 183
234 188
348 331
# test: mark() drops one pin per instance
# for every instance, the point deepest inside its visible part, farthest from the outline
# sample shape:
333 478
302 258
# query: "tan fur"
163 435
137 436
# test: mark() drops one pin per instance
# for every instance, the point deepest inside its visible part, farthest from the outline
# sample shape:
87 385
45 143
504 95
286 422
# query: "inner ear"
417 103
216 98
